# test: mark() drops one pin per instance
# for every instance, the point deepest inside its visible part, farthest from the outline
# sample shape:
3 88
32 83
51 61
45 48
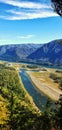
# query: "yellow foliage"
3 111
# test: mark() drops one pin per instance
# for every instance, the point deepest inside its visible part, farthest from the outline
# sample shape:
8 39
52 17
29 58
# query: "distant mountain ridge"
50 53
17 52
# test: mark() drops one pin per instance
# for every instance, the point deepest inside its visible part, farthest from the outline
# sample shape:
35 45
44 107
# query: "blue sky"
28 21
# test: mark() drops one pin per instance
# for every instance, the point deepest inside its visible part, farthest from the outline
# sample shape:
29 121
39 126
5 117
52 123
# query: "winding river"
39 98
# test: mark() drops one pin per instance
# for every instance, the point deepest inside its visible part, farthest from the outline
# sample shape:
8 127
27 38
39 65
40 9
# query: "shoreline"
29 97
33 63
50 92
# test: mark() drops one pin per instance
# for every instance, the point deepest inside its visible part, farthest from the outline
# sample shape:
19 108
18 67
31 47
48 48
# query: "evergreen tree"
57 5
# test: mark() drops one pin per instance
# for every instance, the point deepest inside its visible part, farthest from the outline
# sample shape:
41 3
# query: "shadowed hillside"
48 53
17 52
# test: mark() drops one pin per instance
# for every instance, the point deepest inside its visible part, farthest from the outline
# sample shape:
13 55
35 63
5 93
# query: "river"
39 98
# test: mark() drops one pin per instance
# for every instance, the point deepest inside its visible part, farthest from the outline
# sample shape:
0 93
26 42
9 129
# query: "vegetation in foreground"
57 78
16 110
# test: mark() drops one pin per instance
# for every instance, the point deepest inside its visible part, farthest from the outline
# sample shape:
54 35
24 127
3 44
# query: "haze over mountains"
50 53
17 52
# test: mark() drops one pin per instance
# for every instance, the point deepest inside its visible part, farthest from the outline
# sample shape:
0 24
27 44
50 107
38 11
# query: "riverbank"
46 89
39 98
29 98
17 110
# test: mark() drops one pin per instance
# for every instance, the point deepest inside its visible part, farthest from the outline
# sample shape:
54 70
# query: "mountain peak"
48 53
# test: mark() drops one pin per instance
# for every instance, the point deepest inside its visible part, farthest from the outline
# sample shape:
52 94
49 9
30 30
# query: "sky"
28 21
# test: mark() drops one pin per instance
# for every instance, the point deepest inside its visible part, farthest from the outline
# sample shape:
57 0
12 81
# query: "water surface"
39 98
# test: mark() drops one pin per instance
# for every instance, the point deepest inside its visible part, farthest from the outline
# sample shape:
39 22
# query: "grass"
44 77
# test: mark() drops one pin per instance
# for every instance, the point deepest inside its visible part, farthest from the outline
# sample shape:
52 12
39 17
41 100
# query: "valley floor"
48 87
17 109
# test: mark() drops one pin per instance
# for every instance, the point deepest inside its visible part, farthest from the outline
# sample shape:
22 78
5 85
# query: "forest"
17 111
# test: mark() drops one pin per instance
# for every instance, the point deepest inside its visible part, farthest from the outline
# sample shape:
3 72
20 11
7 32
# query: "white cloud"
26 10
25 37
25 4
28 15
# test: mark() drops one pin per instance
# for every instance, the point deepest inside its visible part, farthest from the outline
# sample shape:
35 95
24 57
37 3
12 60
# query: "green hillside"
17 110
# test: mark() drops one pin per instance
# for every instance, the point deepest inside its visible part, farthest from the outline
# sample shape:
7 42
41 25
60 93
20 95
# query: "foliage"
60 85
57 5
57 79
54 77
58 115
16 110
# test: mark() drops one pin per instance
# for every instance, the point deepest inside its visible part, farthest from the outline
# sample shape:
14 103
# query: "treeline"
57 79
16 110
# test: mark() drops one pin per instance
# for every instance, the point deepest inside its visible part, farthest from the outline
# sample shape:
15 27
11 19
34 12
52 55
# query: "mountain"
17 52
50 53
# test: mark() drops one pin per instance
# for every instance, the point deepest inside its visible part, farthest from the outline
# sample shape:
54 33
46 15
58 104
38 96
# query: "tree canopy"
57 5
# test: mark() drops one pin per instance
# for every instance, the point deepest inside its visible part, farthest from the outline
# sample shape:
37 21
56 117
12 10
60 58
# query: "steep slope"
48 53
17 52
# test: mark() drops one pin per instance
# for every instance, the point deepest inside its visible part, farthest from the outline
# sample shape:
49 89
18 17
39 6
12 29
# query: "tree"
60 85
57 5
47 116
58 114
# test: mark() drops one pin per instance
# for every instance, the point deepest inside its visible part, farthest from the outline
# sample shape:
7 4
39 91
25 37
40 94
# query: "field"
48 81
44 75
